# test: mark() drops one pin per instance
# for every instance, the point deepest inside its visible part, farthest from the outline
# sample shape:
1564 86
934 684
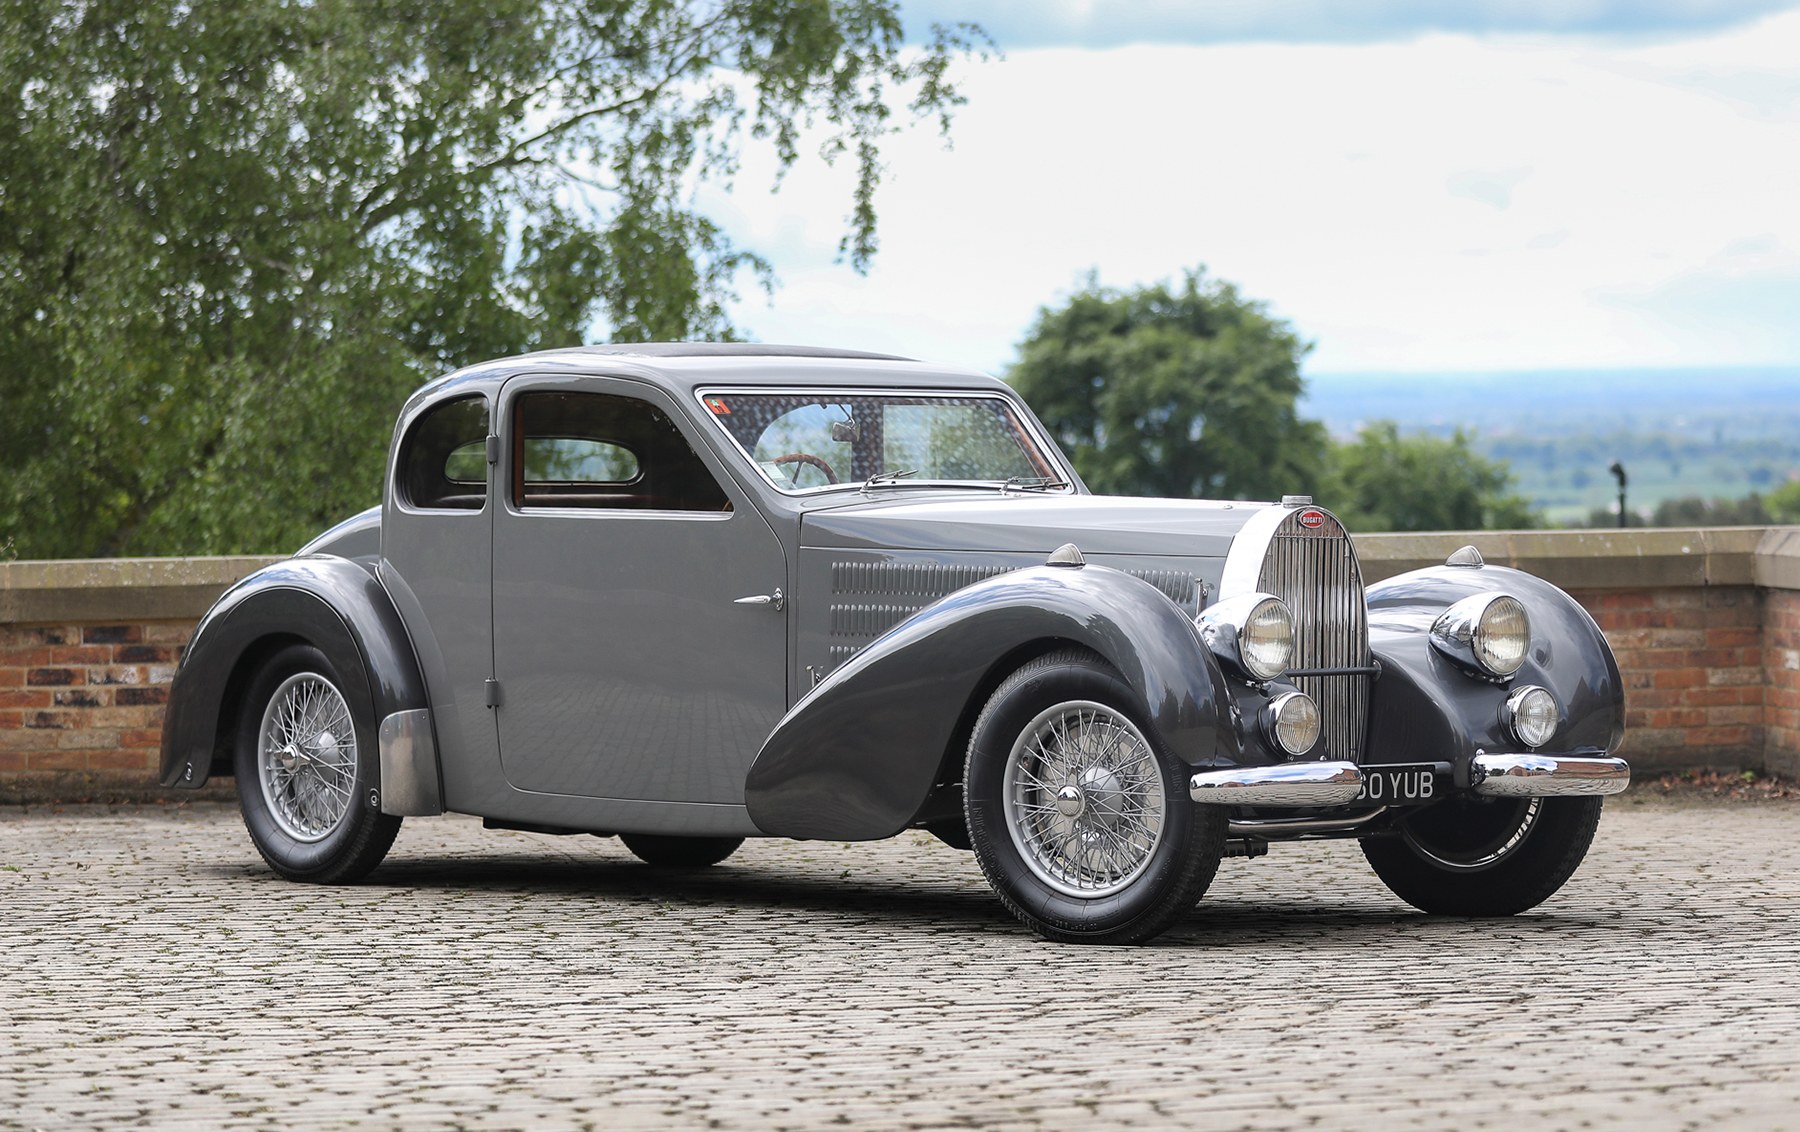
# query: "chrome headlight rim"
1466 633
1289 717
1524 715
1227 627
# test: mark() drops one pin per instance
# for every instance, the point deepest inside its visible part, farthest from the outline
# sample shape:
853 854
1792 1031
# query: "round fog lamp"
1294 722
1532 714
1266 642
1502 636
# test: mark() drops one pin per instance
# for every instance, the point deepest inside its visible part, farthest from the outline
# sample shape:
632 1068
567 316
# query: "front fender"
1426 708
328 602
858 758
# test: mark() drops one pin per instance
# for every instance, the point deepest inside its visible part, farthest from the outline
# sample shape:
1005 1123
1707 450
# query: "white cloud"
1447 203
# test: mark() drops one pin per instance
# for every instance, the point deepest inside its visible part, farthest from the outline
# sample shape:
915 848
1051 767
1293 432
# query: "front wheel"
1485 857
308 772
1079 818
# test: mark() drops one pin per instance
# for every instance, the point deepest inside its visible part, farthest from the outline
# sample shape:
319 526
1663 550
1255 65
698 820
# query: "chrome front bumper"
1546 776
1339 783
1287 784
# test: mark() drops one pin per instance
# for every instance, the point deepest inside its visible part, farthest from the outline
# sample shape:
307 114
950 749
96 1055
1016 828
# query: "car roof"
682 367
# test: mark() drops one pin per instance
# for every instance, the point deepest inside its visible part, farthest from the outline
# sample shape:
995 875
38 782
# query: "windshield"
810 440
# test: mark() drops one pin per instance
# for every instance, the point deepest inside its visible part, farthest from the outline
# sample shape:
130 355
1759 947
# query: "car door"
628 665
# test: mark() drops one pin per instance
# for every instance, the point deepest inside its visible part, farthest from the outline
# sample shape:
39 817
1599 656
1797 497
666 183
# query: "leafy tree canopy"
1384 481
1181 391
235 233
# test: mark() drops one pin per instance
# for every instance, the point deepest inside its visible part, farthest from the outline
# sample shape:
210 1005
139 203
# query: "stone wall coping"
103 589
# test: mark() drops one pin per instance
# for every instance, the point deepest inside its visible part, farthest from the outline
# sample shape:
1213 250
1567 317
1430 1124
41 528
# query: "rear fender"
338 607
858 758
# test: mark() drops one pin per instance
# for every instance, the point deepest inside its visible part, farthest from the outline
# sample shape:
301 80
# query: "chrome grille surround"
1314 569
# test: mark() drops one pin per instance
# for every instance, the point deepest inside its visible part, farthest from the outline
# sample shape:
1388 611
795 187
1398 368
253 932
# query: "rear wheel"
1485 857
308 772
680 852
1080 820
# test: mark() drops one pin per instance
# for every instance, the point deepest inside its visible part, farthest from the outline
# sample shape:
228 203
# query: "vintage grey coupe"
689 594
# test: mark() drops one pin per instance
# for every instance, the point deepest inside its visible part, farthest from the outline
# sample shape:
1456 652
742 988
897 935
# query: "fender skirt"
331 603
858 758
1427 708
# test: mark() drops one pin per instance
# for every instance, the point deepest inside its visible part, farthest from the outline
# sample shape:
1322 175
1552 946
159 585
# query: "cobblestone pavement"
155 973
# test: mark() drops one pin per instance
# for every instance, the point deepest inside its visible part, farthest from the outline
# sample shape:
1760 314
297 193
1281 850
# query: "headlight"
1292 722
1488 632
1532 715
1255 632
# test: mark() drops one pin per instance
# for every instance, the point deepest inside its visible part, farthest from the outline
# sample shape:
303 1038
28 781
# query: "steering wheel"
806 458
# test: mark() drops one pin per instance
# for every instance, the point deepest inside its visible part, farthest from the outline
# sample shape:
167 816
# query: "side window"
597 450
443 462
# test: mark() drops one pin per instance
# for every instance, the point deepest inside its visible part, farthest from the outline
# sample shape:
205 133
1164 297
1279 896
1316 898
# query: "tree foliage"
1386 481
233 235
1181 391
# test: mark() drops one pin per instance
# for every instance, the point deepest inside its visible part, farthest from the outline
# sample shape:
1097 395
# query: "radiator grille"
1314 570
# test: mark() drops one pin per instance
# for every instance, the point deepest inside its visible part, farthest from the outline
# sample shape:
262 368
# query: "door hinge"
493 449
493 692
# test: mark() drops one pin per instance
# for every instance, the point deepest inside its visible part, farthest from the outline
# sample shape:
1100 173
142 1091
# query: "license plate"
1402 784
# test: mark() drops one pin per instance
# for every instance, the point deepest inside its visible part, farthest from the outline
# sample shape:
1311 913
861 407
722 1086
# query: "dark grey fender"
858 758
1425 708
329 602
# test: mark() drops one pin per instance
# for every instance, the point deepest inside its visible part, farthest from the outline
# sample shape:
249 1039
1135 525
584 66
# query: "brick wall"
1692 659
1781 704
82 704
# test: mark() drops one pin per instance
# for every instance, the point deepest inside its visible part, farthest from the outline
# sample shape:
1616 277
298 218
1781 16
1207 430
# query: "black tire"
1022 846
680 852
1485 857
355 841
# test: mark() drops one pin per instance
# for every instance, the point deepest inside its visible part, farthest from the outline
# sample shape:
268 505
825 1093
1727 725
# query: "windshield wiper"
1034 483
891 476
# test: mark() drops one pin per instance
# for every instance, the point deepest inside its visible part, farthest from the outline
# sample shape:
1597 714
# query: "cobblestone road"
155 973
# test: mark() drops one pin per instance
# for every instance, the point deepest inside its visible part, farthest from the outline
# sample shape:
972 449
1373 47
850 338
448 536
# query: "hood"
1030 523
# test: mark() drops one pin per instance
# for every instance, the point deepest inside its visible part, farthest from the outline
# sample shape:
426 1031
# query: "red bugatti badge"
1312 520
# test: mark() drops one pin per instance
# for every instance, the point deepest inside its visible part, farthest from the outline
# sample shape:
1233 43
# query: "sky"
1416 186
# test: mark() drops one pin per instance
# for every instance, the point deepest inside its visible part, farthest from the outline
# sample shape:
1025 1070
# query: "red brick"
1749 713
1679 678
11 720
56 760
1720 676
81 697
1736 736
1720 637
86 740
147 737
24 657
121 760
1712 697
143 654
115 675
50 720
168 632
111 634
47 677
152 694
38 699
40 635
1681 597
82 654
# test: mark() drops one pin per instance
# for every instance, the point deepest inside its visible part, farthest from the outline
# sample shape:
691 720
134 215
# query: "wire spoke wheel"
306 757
1084 799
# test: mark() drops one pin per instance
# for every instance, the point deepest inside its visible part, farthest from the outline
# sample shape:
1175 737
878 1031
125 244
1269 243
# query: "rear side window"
443 461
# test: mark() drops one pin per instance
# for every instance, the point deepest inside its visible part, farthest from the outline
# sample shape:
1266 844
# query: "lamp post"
1618 471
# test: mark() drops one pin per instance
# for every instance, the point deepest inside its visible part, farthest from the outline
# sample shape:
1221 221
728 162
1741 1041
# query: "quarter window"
443 463
597 450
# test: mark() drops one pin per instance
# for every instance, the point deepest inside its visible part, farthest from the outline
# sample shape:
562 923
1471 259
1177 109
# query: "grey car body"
704 652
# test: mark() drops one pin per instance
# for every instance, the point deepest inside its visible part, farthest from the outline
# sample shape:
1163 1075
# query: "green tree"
1384 481
235 233
1180 391
1784 503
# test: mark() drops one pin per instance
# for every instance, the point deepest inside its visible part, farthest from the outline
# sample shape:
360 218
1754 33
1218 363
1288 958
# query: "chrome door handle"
775 599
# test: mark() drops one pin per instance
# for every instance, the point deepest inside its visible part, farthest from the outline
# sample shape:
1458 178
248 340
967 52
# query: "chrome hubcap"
306 757
1084 799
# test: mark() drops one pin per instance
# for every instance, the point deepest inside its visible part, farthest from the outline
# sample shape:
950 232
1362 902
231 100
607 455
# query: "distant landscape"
1721 433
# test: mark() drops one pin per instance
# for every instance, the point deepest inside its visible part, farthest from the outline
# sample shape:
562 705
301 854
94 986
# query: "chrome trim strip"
1547 776
1285 784
409 768
1283 828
